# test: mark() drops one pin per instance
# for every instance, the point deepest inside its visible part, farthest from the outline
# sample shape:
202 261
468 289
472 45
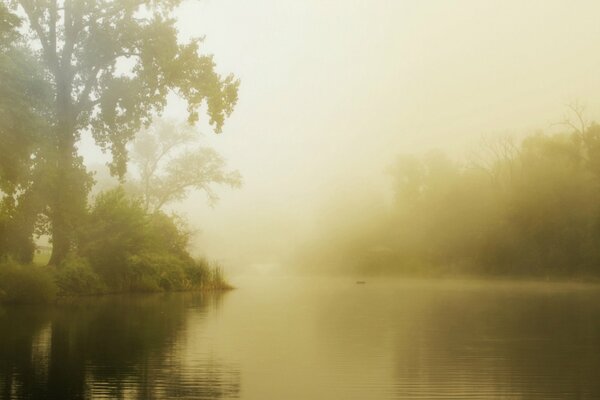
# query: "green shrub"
130 250
26 284
76 277
141 274
133 250
113 232
145 284
166 271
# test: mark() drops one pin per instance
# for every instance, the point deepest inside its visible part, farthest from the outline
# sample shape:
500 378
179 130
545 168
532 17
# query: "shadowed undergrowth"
120 248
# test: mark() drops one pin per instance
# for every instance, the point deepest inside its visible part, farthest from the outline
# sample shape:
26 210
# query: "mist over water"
309 338
333 92
280 199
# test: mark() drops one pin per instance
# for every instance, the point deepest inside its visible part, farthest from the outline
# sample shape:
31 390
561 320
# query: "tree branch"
50 55
73 26
52 25
82 100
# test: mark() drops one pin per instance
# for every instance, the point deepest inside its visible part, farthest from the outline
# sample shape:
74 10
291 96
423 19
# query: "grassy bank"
34 284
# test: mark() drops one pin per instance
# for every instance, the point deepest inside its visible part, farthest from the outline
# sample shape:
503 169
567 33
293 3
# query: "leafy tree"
24 97
18 101
111 65
170 162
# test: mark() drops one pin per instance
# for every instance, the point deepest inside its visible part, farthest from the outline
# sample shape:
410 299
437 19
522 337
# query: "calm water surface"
311 339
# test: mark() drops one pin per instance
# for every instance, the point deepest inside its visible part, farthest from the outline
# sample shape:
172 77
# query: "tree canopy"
104 67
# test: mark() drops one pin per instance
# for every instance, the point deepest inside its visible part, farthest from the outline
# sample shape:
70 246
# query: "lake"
293 338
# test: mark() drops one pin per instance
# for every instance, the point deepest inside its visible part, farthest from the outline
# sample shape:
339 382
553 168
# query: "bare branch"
579 126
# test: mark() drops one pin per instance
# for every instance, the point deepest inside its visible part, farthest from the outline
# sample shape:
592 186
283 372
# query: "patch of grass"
41 258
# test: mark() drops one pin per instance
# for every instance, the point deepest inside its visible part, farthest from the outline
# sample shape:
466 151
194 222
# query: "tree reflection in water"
117 347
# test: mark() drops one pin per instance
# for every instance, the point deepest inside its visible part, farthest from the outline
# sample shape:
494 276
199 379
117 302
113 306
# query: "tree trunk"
61 242
61 206
66 199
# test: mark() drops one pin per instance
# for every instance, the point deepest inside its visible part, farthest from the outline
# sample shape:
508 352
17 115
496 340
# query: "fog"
290 199
332 92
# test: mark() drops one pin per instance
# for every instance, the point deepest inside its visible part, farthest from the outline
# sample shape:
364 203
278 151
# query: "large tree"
111 65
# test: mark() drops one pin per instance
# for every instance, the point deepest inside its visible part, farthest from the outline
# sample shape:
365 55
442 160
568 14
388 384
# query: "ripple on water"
307 339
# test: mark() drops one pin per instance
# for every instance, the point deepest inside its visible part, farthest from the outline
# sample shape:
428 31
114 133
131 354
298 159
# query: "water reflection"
475 340
311 339
123 347
500 342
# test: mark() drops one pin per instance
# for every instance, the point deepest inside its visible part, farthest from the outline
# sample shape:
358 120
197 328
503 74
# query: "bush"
130 250
114 231
143 273
133 250
158 271
76 277
26 284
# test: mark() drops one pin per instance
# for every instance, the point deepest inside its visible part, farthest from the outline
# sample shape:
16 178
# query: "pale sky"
332 91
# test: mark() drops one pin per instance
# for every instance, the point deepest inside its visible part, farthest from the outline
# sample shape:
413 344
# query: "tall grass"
33 284
216 279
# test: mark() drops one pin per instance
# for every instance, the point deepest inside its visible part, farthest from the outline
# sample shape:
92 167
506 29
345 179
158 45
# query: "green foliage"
93 37
24 106
121 248
12 242
155 272
24 101
198 273
75 277
132 250
105 67
114 231
25 284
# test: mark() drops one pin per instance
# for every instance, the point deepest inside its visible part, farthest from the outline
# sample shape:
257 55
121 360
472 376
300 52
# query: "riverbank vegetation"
104 69
512 208
118 248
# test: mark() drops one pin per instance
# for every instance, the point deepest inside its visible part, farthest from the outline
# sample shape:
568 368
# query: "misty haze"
267 199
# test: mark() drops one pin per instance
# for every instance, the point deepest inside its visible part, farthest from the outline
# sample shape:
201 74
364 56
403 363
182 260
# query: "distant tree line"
514 208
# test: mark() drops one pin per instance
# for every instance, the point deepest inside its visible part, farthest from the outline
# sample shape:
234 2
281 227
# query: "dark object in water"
360 282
